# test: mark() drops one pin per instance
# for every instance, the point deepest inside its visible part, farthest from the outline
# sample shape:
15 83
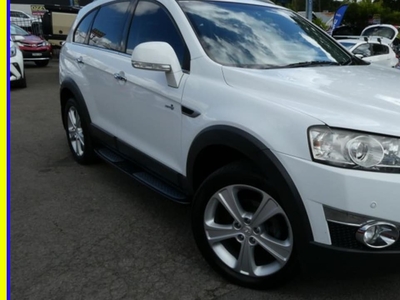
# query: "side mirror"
158 56
18 38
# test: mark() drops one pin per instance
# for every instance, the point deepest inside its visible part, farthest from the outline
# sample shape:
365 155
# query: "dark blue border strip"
8 158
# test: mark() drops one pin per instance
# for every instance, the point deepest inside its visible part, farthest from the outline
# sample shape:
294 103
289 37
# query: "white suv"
286 145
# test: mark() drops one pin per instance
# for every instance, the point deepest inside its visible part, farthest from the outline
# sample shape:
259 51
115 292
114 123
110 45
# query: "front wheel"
242 228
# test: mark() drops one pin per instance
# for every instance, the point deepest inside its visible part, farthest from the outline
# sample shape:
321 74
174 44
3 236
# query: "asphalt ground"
90 232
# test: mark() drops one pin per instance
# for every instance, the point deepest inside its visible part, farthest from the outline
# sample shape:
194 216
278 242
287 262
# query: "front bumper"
36 55
16 67
374 195
319 258
15 72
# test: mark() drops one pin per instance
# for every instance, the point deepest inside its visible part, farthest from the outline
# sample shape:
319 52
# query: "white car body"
17 71
277 107
384 57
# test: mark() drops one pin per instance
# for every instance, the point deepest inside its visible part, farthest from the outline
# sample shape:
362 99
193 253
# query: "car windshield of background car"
347 45
15 30
255 36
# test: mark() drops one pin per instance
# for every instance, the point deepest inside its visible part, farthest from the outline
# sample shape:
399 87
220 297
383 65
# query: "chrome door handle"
118 76
79 60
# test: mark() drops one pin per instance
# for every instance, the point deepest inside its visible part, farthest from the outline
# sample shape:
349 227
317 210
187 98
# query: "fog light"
378 234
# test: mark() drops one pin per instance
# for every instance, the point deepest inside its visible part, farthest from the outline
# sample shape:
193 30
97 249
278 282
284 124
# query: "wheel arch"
69 89
243 146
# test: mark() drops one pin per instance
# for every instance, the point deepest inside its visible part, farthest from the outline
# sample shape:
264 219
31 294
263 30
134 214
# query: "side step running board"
142 176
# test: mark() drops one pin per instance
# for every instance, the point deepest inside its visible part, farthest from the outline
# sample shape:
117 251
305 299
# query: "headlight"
356 150
13 51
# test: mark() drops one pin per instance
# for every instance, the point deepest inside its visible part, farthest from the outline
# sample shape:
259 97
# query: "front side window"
108 26
347 45
256 36
363 49
151 23
83 28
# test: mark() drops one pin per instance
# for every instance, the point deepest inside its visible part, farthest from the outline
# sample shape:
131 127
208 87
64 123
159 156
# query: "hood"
365 98
386 31
32 39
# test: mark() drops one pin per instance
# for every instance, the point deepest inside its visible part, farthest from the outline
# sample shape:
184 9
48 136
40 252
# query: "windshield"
253 36
347 45
15 30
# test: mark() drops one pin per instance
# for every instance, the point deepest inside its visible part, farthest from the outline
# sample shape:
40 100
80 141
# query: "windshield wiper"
311 64
253 66
294 65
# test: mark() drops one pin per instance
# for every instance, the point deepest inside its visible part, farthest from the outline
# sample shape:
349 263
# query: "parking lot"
90 232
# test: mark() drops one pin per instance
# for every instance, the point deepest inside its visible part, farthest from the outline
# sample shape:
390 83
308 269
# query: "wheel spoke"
71 116
80 138
245 263
218 232
267 209
74 143
228 199
77 119
71 130
280 250
78 146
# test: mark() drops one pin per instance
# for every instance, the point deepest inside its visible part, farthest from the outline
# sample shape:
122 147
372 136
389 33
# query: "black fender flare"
255 151
70 85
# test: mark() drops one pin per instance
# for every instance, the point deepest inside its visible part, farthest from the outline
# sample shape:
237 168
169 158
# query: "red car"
33 48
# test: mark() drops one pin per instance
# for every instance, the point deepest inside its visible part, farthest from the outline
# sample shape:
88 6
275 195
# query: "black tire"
22 82
250 188
42 63
78 137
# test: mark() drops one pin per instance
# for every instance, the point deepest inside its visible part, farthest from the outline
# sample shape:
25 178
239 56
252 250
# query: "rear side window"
152 23
108 26
83 28
380 49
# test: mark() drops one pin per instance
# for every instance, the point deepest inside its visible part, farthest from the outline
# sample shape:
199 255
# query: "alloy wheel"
75 131
248 230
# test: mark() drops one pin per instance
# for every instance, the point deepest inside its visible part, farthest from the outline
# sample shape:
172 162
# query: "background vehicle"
346 32
389 34
26 21
17 70
33 48
372 51
57 22
23 19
